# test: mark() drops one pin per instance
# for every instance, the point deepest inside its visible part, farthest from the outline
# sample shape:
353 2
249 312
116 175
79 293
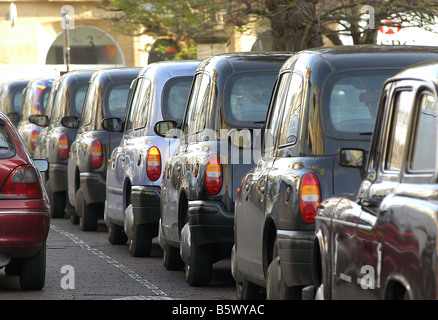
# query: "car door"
410 229
360 272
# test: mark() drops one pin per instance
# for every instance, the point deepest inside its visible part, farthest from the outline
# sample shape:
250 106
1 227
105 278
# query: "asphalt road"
85 266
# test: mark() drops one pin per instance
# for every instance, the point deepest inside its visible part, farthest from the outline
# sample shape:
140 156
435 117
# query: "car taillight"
63 147
22 182
33 139
213 174
96 155
153 163
310 197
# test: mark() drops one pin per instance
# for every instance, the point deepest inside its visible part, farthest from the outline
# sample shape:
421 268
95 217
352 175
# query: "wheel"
171 258
246 290
57 204
33 271
141 243
87 216
71 212
198 270
116 234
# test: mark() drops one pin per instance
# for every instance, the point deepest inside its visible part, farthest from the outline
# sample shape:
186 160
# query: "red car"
24 210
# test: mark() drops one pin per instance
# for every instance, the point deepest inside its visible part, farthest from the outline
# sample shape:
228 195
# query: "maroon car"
24 210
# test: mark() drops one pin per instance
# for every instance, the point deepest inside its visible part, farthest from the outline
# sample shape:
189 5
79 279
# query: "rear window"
117 97
247 98
17 100
175 97
7 147
351 100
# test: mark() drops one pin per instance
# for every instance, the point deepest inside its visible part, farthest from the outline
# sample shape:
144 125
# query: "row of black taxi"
261 140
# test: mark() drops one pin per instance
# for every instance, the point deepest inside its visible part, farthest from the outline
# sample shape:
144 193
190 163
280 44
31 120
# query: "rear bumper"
146 204
93 186
22 234
296 256
58 177
210 223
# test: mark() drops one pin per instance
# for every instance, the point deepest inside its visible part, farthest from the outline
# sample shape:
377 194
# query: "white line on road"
111 261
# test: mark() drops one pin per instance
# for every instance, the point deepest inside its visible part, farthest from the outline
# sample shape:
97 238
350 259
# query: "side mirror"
240 138
41 164
351 157
13 116
71 122
112 124
40 120
166 129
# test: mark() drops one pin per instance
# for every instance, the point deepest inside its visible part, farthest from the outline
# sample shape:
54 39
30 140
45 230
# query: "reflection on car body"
66 99
35 97
133 189
106 97
381 243
200 181
318 131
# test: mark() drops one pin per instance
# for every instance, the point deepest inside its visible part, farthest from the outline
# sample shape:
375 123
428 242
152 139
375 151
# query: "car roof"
170 69
364 56
242 61
425 71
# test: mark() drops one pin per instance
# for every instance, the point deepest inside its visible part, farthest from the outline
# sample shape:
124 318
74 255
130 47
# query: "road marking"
110 260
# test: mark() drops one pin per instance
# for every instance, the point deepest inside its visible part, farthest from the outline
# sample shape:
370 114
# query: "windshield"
351 100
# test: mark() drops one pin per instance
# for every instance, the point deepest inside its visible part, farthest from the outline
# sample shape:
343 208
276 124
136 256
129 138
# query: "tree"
294 24
299 24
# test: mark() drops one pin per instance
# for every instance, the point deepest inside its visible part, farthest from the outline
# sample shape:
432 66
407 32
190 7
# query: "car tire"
57 204
198 269
246 290
140 245
87 216
71 212
116 234
33 271
171 258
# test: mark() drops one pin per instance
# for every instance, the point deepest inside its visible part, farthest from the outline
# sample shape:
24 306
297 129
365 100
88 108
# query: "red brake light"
63 147
96 155
22 182
33 139
213 174
153 163
310 197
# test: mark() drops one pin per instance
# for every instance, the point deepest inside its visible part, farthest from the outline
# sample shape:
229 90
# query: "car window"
247 98
423 157
137 117
7 147
175 96
90 103
78 99
398 130
196 118
117 97
17 100
292 111
350 102
276 110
